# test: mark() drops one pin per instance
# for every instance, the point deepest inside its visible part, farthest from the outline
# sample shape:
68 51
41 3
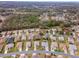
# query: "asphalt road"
38 51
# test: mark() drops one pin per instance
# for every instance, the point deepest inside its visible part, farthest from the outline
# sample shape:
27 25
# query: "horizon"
40 0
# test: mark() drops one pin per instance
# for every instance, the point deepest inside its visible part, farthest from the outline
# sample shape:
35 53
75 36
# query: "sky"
42 0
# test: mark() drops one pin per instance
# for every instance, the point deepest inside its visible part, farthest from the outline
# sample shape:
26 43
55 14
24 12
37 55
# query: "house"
45 46
19 46
61 38
38 35
72 49
74 34
8 46
63 47
54 31
17 36
60 18
2 18
53 17
46 36
31 36
31 29
23 35
37 29
44 17
10 38
70 39
54 46
36 44
28 45
76 28
52 37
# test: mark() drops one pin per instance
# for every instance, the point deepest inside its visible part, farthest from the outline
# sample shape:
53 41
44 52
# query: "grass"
8 57
24 45
67 43
76 43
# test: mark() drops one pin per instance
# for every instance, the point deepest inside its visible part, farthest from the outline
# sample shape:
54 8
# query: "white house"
54 46
45 45
28 45
8 46
70 39
19 46
44 17
36 44
60 18
72 49
31 36
54 31
61 38
52 37
23 35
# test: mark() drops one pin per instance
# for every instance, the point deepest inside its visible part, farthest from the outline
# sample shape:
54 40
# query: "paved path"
38 51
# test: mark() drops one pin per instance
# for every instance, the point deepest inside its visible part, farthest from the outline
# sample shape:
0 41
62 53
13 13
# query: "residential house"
70 39
54 46
36 44
28 45
19 46
61 38
53 37
45 46
44 17
72 49
8 46
23 35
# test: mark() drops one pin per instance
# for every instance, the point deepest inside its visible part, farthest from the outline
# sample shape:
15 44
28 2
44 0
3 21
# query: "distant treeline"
31 21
